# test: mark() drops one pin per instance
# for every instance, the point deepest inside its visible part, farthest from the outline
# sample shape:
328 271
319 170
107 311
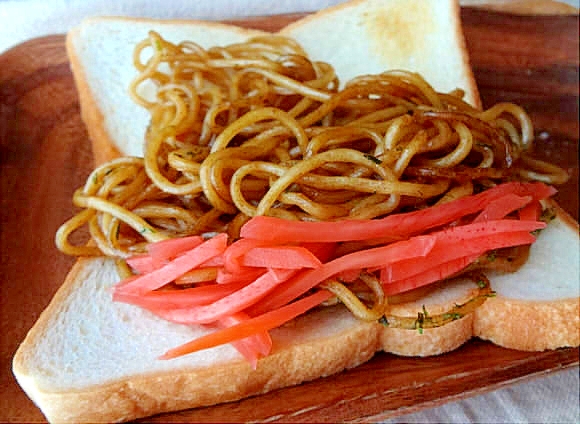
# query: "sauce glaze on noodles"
258 128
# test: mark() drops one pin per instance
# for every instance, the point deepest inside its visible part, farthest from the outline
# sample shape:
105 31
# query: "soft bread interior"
552 270
369 37
382 35
538 307
101 51
87 339
88 333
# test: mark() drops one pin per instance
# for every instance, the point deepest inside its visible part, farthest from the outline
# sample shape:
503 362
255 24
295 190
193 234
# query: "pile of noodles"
257 128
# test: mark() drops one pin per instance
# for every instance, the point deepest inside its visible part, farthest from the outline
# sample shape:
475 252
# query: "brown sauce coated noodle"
258 128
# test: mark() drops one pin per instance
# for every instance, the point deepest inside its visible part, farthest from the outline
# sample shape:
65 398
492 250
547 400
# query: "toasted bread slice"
538 308
88 359
371 36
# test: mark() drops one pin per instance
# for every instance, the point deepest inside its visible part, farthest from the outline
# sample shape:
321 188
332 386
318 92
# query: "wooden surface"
45 155
524 7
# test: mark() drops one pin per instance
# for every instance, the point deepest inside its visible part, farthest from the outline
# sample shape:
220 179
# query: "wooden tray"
45 155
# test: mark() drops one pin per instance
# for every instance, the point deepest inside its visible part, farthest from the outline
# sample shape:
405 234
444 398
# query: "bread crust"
145 395
142 396
455 23
103 146
529 326
429 341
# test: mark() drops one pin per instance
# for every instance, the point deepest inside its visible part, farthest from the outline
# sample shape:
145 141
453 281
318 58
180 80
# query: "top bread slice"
370 36
101 55
380 36
88 359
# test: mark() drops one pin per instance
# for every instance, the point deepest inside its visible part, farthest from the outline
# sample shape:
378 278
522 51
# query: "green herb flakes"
374 159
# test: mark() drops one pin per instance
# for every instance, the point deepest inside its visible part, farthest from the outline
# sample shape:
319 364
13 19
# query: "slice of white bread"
534 309
89 359
370 36
380 36
101 55
538 308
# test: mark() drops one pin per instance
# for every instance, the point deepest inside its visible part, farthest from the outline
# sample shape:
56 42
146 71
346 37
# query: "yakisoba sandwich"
261 217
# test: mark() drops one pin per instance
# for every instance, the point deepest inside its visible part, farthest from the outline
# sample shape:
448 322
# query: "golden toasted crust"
428 342
530 326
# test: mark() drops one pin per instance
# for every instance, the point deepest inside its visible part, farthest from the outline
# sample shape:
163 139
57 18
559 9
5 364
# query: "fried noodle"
257 128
